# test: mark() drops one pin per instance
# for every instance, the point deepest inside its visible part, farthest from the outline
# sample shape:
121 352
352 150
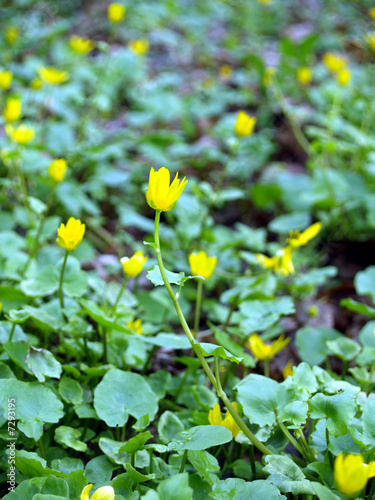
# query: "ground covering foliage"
209 335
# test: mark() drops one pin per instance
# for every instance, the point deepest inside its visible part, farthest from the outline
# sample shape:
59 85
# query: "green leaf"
44 283
286 475
294 412
339 410
304 379
366 335
311 343
169 426
97 314
99 469
69 437
36 405
31 465
364 282
137 442
75 280
122 393
368 422
238 489
70 390
323 492
261 397
205 464
171 340
344 348
258 315
174 278
201 437
175 487
214 350
358 307
111 449
290 222
43 364
17 351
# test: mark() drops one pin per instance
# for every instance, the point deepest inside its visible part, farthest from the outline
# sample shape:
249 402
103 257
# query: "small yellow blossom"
268 75
288 369
334 62
304 75
343 77
372 13
69 236
139 47
116 12
370 39
81 45
225 71
36 84
1 307
135 325
268 262
21 134
265 352
286 264
161 194
57 169
103 493
11 34
351 474
201 264
133 266
215 418
53 76
5 79
298 239
13 109
245 124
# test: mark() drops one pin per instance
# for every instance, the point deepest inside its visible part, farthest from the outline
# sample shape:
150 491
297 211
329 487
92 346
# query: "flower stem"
183 462
11 332
305 444
290 438
266 365
119 295
61 295
216 384
198 307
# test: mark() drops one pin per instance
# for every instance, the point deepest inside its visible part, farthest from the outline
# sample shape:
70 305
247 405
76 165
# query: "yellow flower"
268 262
21 134
5 79
103 493
36 84
57 169
343 77
160 194
133 266
334 62
288 369
372 13
304 75
202 265
298 239
11 34
245 124
215 418
225 71
139 47
53 76
265 352
1 307
69 236
370 39
12 110
81 45
351 474
116 12
286 264
135 325
268 75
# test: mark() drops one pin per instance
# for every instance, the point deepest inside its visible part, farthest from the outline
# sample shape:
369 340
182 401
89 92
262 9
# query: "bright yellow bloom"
21 134
370 39
1 307
268 75
351 474
69 236
116 12
288 369
11 34
334 62
161 195
372 13
225 71
133 266
57 169
53 76
245 124
202 265
103 493
343 77
139 47
304 75
135 325
215 418
286 264
298 239
5 79
268 262
36 84
13 109
81 45
265 352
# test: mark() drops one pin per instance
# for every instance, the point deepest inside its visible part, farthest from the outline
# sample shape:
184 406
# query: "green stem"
61 295
41 448
305 445
103 335
266 364
370 381
183 462
11 332
210 375
290 437
252 459
198 307
119 295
